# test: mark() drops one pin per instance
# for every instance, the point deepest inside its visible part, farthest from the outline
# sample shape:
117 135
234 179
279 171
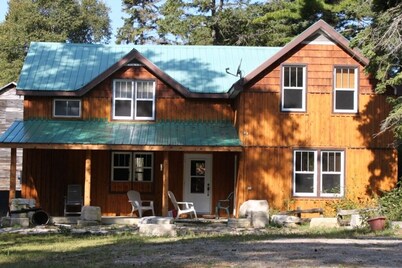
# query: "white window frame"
354 89
302 88
67 100
318 174
132 166
295 172
341 174
133 100
117 167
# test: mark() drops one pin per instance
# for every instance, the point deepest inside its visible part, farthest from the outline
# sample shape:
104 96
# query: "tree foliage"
84 21
381 42
140 27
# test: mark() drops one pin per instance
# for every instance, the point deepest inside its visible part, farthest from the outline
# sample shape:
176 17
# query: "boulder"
324 223
253 206
90 213
285 220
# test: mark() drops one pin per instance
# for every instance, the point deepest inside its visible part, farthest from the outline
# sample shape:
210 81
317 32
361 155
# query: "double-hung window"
318 173
128 166
66 108
293 88
345 90
133 99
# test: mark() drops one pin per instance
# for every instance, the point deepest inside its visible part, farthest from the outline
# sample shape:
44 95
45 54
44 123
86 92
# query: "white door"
197 181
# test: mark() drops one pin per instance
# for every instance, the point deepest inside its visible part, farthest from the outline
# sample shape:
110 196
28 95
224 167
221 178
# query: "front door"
197 181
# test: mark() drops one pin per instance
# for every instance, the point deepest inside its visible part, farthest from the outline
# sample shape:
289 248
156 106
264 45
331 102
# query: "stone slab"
285 220
151 229
83 223
90 213
156 220
324 223
239 223
11 222
259 219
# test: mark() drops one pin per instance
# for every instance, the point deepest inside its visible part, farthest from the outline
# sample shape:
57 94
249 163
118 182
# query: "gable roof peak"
320 27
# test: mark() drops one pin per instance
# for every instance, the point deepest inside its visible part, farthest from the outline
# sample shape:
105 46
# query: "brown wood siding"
97 103
367 172
48 172
270 136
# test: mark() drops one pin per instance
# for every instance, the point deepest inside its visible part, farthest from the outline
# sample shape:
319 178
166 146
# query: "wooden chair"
182 207
73 201
225 205
134 198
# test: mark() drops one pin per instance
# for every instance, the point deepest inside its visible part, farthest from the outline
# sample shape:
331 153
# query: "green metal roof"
169 133
200 69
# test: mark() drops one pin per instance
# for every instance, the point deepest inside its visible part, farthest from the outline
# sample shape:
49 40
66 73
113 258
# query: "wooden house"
11 109
292 125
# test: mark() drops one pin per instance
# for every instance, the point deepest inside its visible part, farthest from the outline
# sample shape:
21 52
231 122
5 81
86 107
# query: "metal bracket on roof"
238 72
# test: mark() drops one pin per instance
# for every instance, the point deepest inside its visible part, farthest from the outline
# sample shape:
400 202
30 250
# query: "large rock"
257 211
157 226
90 213
285 220
157 229
253 206
324 223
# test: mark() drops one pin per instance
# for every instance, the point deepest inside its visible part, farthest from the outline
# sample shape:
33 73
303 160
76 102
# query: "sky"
115 14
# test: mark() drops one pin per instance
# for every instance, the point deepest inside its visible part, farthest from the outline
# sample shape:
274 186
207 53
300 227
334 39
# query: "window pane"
74 108
286 76
122 108
121 174
299 77
60 108
331 183
293 76
304 183
293 98
144 108
298 161
197 185
344 100
338 162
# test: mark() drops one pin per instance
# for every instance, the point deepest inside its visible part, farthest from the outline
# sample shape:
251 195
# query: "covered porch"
59 153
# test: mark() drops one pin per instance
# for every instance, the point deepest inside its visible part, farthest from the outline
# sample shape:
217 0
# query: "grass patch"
86 250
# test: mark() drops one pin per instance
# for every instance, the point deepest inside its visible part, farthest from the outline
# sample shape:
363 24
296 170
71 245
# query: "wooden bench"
298 212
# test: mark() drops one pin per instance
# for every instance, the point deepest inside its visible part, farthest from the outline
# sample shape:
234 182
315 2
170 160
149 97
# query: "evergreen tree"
45 20
381 42
140 27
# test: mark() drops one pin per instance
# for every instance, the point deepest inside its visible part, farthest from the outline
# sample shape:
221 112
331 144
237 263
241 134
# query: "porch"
54 158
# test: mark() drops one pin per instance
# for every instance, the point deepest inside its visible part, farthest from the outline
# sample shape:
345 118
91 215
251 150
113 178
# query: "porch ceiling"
102 135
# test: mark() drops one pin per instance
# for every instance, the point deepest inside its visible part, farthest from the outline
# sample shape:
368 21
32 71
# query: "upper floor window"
127 166
318 173
66 108
293 88
345 90
133 99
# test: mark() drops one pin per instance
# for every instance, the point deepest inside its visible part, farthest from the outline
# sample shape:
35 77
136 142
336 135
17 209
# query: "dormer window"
345 90
66 108
133 99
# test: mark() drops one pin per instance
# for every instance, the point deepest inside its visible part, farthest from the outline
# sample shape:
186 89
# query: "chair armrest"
186 204
151 202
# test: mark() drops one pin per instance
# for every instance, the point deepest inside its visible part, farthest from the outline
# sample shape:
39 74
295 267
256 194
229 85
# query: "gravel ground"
248 251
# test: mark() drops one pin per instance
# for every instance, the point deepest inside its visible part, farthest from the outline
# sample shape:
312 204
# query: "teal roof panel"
201 69
169 133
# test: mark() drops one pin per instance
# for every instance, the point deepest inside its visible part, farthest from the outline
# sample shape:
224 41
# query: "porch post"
87 185
165 184
13 174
